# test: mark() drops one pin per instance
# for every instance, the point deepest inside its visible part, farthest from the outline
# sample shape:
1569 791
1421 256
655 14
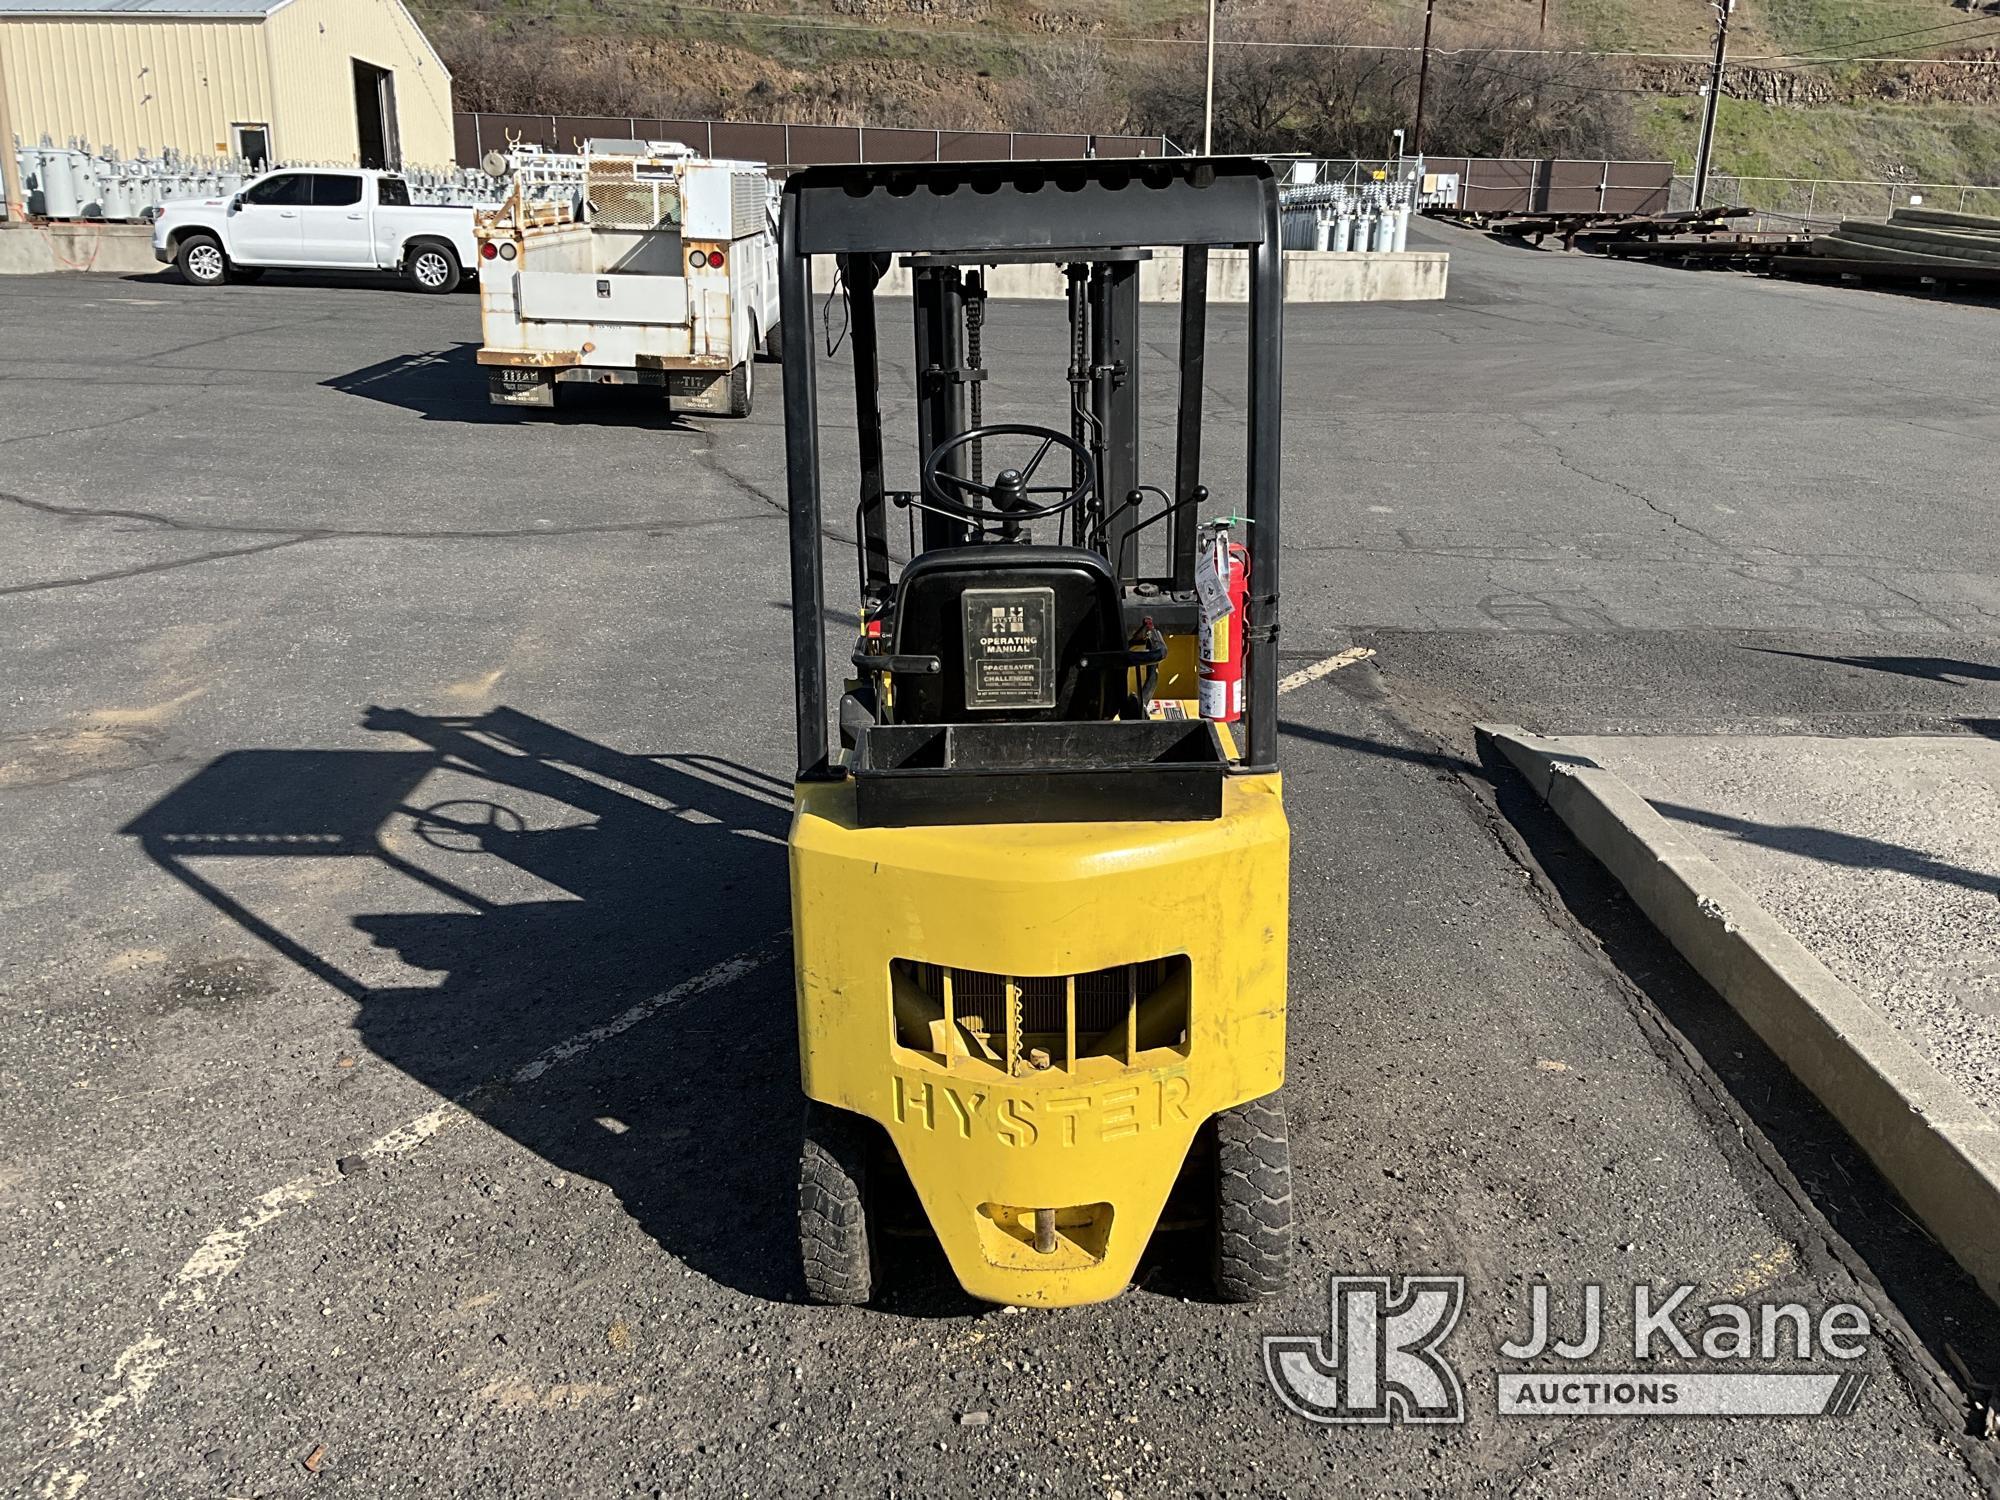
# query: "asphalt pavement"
398 1089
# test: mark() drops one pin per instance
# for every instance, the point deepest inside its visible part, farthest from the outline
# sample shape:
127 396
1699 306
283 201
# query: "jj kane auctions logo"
1382 1358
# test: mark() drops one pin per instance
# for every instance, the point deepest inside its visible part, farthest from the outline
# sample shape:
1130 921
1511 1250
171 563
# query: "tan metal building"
333 81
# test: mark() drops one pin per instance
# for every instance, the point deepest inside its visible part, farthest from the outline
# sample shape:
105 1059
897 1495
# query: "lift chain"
975 324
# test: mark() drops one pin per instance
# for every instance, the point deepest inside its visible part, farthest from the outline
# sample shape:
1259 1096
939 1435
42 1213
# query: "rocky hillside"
1819 88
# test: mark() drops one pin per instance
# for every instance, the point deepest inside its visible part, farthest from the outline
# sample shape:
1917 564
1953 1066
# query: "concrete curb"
1923 1133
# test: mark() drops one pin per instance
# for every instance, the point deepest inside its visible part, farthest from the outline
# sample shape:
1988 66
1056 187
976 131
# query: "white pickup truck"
317 219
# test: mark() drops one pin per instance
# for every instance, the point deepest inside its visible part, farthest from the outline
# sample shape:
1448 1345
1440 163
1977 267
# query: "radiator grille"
1028 1023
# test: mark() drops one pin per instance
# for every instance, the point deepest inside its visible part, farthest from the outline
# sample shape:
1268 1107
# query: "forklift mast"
1099 220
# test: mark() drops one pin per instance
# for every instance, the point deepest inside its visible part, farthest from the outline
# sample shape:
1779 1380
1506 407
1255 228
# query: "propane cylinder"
1222 583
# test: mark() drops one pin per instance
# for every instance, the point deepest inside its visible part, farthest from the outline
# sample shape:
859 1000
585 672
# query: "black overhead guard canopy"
1060 212
967 207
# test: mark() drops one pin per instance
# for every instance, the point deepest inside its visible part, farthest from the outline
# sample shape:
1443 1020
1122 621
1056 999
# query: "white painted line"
1324 668
223 1249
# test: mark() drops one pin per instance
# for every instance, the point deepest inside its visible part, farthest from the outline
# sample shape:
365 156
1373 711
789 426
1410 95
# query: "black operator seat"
1021 633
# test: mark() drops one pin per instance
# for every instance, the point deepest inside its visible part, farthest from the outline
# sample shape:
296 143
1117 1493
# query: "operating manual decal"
1010 648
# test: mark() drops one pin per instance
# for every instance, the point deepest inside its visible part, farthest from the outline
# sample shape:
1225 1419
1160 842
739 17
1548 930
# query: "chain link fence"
1823 200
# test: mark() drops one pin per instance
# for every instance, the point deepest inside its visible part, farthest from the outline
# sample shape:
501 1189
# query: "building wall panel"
134 85
313 45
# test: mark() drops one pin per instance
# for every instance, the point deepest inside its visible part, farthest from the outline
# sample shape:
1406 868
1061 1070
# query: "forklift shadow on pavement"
662 868
447 385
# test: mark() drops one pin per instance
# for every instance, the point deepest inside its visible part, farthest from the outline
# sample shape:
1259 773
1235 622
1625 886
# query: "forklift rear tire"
836 1244
1253 1201
739 389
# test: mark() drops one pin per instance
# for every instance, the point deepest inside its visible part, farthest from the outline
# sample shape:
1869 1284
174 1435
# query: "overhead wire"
1781 61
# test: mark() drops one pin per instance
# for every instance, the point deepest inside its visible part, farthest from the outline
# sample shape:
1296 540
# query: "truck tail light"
507 251
698 259
488 250
714 260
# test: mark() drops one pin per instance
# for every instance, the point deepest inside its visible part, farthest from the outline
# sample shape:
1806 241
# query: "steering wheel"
1012 491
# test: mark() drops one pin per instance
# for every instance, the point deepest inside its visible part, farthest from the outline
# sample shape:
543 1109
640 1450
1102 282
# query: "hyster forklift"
1038 898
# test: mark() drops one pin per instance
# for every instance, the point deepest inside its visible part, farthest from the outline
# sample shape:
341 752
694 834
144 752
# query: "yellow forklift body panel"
1094 1135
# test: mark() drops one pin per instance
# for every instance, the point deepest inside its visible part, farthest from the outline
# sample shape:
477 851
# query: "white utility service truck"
663 271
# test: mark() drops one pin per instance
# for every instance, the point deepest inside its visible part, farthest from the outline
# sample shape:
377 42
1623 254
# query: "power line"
1024 39
1554 83
1793 64
1824 62
1887 36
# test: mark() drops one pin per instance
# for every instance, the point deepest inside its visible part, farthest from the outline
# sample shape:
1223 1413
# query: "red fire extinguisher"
1222 582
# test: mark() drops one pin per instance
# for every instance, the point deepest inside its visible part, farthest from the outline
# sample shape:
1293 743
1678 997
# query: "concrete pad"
1882 856
1927 1134
38 249
1310 276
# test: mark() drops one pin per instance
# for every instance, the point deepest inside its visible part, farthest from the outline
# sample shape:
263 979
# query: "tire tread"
1253 1201
835 1248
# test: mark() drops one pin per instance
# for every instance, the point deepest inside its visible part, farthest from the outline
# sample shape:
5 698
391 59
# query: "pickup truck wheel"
431 266
739 389
201 261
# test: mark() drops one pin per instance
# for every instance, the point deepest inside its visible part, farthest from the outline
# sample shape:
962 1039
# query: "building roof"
204 9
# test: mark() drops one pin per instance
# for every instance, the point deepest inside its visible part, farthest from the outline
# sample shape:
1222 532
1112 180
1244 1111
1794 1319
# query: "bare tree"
1338 85
1065 87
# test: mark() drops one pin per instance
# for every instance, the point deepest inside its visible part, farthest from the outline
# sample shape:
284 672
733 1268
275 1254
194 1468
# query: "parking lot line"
223 1250
1322 668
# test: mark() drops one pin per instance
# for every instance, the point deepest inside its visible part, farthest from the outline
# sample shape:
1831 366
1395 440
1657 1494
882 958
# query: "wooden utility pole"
1208 98
1706 147
10 164
1423 82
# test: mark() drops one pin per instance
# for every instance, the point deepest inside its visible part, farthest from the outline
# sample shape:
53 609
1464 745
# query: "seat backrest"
1010 626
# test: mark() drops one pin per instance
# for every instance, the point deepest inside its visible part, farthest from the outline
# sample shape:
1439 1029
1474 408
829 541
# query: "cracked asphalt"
397 1080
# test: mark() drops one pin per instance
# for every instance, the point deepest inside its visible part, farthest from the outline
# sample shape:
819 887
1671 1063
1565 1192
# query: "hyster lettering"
1089 1115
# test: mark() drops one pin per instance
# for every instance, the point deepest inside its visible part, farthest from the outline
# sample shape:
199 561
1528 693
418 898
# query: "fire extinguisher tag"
1211 582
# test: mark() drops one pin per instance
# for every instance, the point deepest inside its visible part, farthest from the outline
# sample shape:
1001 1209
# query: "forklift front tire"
836 1246
1253 1201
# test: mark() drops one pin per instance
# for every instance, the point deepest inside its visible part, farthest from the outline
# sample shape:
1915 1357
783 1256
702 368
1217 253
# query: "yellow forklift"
1039 900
